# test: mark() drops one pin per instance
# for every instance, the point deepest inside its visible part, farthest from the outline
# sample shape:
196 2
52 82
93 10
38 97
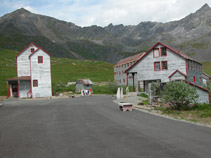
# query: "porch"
19 87
144 85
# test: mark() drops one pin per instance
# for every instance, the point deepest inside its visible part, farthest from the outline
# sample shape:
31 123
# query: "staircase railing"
29 94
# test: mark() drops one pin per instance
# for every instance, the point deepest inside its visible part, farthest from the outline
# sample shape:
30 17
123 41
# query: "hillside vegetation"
190 35
63 70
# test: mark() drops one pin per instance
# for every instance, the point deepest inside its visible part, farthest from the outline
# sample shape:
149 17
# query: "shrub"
60 87
179 94
156 88
144 95
112 86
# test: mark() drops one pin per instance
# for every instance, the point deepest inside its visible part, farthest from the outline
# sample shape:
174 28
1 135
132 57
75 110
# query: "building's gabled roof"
34 51
85 81
173 50
204 74
37 51
175 72
197 86
130 59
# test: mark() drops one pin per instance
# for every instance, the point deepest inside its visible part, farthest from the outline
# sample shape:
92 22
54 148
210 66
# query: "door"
15 89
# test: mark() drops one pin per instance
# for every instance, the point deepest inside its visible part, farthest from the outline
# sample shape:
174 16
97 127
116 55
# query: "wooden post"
8 90
18 89
133 82
127 79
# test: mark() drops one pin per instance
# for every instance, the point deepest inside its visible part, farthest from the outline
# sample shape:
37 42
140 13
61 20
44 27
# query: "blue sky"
104 12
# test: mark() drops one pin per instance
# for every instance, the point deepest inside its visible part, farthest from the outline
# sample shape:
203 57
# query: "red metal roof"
130 59
206 74
19 78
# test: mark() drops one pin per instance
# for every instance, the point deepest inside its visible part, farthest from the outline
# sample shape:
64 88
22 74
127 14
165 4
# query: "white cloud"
103 12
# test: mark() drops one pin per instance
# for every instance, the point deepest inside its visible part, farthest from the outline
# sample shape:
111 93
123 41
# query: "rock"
61 94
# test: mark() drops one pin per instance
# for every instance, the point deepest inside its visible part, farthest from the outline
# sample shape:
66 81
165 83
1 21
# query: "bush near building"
179 95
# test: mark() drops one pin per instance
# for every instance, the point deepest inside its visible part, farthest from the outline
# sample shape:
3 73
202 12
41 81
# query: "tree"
179 94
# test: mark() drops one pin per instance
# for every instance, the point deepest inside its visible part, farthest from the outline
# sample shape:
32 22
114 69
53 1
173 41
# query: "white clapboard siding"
42 73
145 67
177 76
203 96
25 86
23 62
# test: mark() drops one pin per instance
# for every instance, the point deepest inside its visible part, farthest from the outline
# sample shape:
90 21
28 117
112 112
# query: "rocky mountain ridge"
190 35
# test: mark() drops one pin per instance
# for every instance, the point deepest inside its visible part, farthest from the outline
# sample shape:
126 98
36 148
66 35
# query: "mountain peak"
22 11
204 8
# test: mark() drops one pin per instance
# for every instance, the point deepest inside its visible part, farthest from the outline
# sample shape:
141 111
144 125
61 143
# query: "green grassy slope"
207 68
63 69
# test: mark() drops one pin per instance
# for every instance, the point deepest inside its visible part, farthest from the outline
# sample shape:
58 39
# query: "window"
128 64
123 80
157 66
194 79
200 79
163 51
35 83
164 65
40 59
156 52
32 50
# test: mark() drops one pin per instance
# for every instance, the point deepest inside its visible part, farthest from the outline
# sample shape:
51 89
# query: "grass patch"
145 102
198 113
206 67
144 95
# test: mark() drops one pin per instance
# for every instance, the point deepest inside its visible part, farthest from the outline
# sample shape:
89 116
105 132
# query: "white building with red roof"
120 76
163 63
33 74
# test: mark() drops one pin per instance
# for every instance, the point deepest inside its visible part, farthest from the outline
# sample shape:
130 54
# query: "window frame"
35 81
32 50
166 65
161 48
38 61
159 66
154 52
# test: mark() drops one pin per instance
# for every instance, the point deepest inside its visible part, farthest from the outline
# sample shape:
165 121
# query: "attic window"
156 52
40 59
163 51
32 50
